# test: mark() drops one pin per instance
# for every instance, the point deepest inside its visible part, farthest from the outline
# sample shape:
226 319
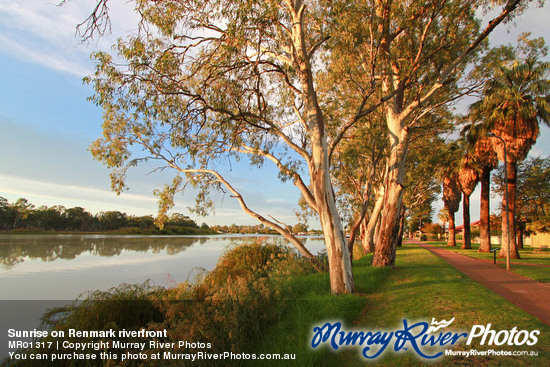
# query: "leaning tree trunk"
363 236
384 254
341 277
512 174
370 225
355 229
451 241
376 232
466 231
484 215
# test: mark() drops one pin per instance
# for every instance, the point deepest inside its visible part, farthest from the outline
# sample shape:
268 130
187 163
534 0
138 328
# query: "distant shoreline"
118 233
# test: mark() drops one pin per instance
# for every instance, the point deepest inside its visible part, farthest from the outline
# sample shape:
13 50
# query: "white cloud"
40 32
52 61
93 199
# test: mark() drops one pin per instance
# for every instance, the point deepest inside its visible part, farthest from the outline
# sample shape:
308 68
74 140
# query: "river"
38 272
61 267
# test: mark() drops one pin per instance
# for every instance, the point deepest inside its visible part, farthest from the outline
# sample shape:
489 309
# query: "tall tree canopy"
422 49
208 81
279 80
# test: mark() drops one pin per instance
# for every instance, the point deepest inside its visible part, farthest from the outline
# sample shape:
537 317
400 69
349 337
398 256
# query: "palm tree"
486 156
451 200
515 101
468 177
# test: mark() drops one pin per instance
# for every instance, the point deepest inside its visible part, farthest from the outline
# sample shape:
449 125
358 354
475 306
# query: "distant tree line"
298 228
23 215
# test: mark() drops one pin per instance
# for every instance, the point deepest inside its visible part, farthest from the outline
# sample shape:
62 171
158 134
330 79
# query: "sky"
47 125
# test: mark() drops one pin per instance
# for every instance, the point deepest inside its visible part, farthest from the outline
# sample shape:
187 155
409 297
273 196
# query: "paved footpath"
532 296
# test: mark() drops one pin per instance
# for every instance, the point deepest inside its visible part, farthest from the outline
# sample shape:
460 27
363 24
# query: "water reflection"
17 249
49 267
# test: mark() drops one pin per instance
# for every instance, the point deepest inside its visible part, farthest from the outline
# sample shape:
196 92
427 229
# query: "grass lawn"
309 303
539 273
421 287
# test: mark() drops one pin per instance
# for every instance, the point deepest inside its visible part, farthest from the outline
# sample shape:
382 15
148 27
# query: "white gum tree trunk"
370 225
384 254
341 277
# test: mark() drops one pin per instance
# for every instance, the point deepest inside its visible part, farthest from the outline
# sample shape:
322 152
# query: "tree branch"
289 236
444 76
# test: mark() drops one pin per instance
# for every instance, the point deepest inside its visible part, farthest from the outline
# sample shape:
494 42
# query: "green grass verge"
538 273
421 287
310 302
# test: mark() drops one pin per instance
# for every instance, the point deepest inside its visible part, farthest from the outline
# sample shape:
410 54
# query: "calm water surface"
61 267
38 272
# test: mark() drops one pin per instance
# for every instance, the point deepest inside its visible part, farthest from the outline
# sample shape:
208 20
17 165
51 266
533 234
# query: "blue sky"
46 124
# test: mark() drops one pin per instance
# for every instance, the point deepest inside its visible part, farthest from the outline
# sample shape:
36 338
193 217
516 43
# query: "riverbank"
184 231
259 301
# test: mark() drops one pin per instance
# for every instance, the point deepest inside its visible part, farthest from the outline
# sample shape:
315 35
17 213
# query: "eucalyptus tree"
358 168
21 209
534 193
208 81
6 220
422 186
205 81
370 223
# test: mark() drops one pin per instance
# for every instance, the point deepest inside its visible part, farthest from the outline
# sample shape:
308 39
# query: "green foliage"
532 193
275 81
191 100
127 306
433 230
422 185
